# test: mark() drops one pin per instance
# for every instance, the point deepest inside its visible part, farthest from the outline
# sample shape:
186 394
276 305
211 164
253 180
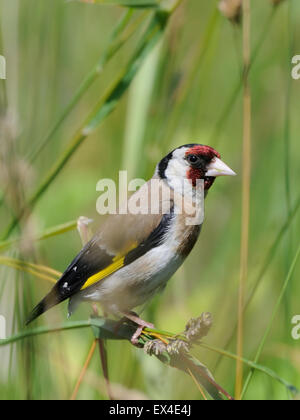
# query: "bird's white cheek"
177 168
176 175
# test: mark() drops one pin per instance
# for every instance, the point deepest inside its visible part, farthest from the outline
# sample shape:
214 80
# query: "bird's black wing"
94 263
88 262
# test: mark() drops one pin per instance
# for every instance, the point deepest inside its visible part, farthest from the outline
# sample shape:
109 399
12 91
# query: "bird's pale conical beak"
218 168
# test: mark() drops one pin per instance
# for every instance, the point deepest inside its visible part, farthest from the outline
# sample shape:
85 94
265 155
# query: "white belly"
136 283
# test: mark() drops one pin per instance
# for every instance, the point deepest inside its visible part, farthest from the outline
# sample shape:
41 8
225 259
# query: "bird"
134 254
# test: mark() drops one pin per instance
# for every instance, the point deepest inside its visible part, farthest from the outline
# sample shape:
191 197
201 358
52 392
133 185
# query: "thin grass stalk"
197 384
207 378
42 268
184 91
45 330
138 110
84 370
105 107
236 41
287 145
104 364
252 365
2 195
107 329
83 229
42 272
271 254
265 266
92 322
216 135
114 46
287 131
48 233
273 317
245 194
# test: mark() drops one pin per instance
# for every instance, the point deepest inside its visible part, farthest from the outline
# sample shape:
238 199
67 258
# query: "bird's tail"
47 303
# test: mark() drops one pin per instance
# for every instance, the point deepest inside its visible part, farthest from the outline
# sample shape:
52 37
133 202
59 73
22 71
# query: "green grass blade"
230 105
287 128
269 327
106 329
138 114
252 365
114 46
210 32
267 263
48 233
168 5
104 108
40 271
44 330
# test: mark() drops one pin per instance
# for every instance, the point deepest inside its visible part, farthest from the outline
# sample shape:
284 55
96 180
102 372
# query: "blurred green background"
181 94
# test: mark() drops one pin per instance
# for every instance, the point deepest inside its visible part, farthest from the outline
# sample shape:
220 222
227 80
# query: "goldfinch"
133 256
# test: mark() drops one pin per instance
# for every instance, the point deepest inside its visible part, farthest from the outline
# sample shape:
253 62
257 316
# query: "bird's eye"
193 159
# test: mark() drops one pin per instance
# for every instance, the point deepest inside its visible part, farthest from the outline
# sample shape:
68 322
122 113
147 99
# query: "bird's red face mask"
205 164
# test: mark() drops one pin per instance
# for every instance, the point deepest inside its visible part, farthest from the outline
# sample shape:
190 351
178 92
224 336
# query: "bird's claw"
135 338
135 319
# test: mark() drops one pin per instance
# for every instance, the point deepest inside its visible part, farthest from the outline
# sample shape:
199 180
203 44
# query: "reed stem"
245 193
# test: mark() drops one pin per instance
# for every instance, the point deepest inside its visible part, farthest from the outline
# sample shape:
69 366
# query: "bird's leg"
132 316
95 309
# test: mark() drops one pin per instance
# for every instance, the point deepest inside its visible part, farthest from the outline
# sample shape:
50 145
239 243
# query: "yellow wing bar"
118 262
104 273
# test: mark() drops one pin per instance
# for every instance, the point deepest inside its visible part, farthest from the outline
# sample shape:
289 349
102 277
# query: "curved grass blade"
105 107
48 233
106 329
44 330
254 366
102 328
269 327
114 46
137 118
267 263
40 271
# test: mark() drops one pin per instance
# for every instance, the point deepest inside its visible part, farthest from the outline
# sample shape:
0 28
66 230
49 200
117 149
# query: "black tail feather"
47 303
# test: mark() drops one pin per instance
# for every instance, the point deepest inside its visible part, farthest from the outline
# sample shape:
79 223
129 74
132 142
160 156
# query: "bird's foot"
132 316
